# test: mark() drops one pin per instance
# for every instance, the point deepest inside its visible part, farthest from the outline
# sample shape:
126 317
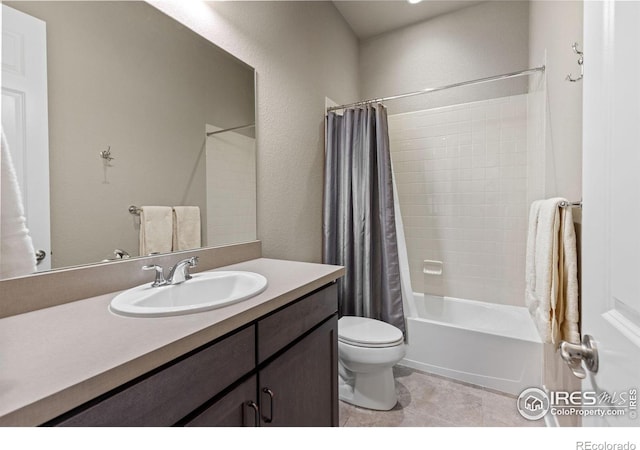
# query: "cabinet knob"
269 393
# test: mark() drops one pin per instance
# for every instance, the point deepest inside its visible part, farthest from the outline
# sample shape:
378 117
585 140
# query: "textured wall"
302 52
553 27
484 40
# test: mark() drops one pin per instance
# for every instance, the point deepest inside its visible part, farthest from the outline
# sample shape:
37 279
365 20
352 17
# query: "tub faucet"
180 272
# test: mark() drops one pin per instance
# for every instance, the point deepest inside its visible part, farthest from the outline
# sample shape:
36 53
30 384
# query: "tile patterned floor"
431 401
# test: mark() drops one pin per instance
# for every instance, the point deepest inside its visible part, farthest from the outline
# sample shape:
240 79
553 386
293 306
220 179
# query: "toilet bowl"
367 351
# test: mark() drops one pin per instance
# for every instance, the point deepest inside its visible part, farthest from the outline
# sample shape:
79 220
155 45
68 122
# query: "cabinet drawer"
167 396
282 327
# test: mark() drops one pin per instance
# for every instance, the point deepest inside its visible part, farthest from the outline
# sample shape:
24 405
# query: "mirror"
126 98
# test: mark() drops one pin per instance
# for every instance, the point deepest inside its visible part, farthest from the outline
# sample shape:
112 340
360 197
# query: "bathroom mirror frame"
102 263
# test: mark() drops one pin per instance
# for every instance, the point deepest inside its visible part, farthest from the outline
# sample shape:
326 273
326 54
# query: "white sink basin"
204 291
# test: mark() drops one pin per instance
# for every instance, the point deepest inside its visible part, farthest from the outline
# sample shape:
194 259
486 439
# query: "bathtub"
485 344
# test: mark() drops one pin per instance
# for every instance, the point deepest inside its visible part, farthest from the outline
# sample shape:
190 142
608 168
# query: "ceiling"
369 18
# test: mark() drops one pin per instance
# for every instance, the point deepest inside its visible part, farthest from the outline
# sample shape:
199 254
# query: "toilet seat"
370 333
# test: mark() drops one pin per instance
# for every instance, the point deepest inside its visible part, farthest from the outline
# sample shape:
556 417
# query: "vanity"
270 360
259 375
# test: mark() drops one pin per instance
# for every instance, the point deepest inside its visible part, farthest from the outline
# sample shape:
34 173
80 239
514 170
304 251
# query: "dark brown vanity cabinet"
296 380
280 370
296 388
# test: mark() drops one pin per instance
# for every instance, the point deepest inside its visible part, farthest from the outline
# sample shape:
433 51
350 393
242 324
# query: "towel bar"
570 204
135 210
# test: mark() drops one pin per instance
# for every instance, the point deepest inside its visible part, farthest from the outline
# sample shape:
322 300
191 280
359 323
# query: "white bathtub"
489 345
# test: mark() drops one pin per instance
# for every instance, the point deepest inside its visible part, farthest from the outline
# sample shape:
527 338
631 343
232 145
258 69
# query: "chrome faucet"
159 281
121 254
177 274
180 272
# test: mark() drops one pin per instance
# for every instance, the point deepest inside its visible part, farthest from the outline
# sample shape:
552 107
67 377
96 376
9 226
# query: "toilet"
367 351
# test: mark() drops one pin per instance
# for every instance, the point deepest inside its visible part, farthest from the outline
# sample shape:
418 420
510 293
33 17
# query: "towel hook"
580 63
106 155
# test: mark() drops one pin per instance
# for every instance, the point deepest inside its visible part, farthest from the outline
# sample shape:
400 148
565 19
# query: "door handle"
256 412
269 393
575 354
40 256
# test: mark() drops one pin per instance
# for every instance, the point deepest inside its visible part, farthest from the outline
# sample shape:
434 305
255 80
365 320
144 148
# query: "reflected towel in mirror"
186 228
156 229
17 254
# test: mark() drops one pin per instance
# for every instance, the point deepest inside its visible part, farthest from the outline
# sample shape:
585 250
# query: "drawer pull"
256 412
269 392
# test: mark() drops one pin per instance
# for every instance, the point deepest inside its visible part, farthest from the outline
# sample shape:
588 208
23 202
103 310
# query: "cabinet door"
300 387
238 408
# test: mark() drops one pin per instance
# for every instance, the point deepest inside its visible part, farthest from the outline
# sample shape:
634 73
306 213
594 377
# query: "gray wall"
122 74
302 52
483 40
554 27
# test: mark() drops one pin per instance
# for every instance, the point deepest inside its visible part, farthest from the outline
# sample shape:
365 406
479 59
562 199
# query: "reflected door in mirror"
25 120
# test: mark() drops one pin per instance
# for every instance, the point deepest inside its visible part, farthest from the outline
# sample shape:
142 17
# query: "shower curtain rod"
211 133
504 76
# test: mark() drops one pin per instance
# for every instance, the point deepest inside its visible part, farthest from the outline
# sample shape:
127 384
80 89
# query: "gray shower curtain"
359 216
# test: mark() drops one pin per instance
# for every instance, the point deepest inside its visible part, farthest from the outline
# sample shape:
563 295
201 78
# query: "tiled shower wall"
462 177
231 188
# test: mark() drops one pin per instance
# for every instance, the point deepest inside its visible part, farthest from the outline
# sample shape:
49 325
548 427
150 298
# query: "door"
300 387
25 120
611 216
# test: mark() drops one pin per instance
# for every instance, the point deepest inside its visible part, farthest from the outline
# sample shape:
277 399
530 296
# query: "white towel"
156 229
186 228
17 254
552 271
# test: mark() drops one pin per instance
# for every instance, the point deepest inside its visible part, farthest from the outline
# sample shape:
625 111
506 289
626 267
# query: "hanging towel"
552 271
17 254
156 229
186 227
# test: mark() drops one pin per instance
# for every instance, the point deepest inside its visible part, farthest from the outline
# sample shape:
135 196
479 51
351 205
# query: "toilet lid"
365 332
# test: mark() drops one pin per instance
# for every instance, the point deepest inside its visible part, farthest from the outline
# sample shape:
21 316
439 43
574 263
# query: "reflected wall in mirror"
129 95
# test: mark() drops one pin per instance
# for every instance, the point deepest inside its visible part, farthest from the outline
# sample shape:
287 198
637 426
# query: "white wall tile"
462 176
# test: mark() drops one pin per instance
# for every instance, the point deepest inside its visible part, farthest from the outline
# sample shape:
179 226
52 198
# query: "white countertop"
57 358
